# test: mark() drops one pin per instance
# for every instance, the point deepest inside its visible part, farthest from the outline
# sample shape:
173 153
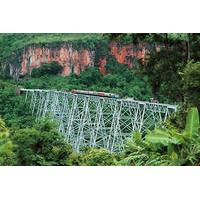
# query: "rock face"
102 65
75 61
126 53
71 60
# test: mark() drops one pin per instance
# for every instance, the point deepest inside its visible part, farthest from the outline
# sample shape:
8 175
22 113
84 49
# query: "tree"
7 157
162 69
191 84
98 157
90 76
52 68
12 106
41 145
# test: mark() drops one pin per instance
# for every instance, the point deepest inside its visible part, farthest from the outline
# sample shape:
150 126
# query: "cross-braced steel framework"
96 121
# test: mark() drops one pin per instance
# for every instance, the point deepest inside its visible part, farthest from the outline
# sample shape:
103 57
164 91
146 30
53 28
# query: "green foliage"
12 106
162 137
166 146
7 157
120 79
52 68
90 77
11 43
3 129
130 37
125 82
191 84
162 69
75 159
98 157
41 145
102 50
178 36
192 122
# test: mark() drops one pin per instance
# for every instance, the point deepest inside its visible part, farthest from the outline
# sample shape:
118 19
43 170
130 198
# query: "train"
95 93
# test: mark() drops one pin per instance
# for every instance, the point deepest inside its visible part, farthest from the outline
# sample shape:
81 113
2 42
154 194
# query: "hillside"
74 52
11 42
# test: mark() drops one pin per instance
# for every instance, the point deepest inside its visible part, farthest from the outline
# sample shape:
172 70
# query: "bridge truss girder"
96 121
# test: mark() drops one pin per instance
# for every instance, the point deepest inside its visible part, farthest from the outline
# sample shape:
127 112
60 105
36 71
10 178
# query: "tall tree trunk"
188 47
155 87
166 41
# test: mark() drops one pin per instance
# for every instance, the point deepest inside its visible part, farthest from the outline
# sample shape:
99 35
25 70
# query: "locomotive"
94 93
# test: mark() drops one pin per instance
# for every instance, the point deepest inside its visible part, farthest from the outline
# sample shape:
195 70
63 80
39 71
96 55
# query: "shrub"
13 108
98 157
191 84
90 76
7 157
41 145
52 68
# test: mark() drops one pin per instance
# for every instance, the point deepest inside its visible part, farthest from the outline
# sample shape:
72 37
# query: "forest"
170 75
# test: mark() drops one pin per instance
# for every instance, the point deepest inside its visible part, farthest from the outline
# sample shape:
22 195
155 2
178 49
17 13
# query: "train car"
94 93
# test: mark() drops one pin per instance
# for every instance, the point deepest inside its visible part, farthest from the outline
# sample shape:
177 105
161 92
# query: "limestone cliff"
126 53
75 60
72 61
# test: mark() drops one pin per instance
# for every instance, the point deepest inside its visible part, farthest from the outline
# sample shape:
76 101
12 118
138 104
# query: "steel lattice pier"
96 121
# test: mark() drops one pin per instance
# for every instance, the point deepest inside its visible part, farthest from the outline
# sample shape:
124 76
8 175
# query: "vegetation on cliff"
10 43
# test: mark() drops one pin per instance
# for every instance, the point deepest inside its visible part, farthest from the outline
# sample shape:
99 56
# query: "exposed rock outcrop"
126 53
71 60
76 60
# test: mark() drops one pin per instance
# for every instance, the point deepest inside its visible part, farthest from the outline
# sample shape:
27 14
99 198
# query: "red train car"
94 93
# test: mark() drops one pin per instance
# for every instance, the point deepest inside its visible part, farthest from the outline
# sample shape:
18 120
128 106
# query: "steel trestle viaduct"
95 121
